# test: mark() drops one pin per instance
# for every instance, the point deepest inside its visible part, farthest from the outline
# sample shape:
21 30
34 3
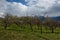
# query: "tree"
29 20
50 23
6 20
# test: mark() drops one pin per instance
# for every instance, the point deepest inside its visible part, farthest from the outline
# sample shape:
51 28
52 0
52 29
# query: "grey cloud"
35 8
54 10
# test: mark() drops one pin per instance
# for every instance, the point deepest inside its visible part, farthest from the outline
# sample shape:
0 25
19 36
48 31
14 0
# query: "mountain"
56 18
42 17
53 18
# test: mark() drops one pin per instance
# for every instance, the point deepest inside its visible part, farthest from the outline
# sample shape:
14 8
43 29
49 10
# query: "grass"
16 33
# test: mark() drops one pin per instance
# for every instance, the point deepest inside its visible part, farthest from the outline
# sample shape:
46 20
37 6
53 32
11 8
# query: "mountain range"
57 18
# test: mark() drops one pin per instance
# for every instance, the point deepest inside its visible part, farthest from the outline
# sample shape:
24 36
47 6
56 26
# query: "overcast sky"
30 7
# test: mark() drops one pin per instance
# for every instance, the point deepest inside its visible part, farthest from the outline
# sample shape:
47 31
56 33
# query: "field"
16 33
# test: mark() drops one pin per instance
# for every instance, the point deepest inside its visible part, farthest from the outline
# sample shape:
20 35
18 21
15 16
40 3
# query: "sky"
30 7
18 1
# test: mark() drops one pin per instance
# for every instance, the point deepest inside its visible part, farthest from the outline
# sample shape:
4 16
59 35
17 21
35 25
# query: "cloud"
41 3
39 7
12 8
17 9
55 9
33 7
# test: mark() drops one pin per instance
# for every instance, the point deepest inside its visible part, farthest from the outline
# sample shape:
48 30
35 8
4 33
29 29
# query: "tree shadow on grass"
21 30
50 32
15 30
43 37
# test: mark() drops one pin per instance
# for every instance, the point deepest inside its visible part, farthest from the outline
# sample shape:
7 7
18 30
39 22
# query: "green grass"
16 33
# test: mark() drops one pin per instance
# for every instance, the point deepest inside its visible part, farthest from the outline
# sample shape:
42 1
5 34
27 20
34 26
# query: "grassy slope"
14 33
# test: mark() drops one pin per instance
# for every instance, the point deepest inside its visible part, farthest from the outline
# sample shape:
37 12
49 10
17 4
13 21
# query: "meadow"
28 28
16 33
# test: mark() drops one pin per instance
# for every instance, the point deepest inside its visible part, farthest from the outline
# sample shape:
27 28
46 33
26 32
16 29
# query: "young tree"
50 23
6 20
29 20
38 22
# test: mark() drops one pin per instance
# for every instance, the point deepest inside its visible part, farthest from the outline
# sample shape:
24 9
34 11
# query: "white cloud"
35 7
17 9
41 3
1 14
38 7
13 8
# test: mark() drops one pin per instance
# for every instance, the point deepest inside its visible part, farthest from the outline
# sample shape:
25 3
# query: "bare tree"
6 20
50 23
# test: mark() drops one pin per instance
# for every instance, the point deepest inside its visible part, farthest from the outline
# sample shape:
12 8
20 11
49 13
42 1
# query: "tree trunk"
52 30
31 27
41 29
5 27
38 27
